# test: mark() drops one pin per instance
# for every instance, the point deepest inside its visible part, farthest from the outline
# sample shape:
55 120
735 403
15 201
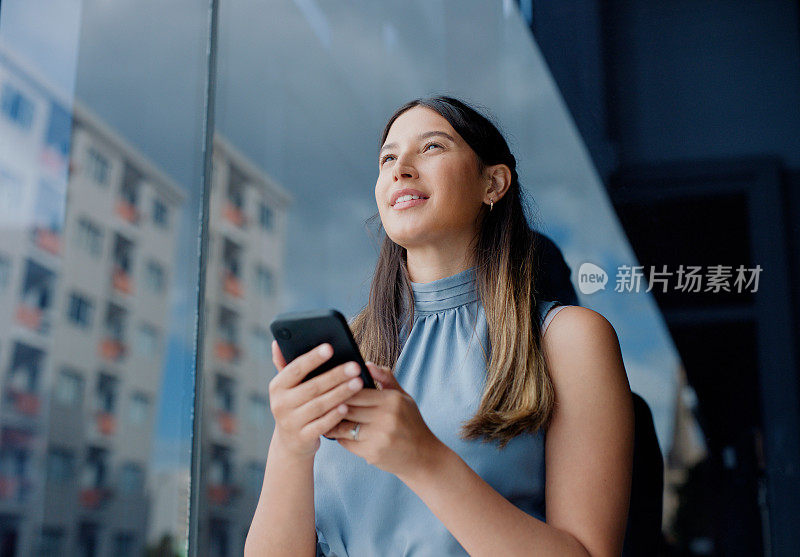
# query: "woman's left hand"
393 436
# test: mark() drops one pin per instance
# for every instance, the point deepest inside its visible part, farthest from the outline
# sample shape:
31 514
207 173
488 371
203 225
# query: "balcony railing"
94 497
234 215
121 281
24 402
226 351
231 284
106 423
48 240
221 494
127 211
14 489
32 318
227 422
112 349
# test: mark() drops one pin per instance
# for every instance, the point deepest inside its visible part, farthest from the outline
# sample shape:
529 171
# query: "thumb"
382 375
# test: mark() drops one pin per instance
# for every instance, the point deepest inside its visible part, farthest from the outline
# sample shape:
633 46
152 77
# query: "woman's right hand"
305 410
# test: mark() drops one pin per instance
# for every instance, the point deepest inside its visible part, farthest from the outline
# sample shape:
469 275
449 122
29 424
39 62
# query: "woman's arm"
283 523
588 458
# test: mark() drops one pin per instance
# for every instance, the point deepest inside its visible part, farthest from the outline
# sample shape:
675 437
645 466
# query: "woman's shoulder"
576 336
567 321
548 309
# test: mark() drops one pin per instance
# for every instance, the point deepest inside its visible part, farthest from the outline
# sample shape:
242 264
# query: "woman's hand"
304 411
393 435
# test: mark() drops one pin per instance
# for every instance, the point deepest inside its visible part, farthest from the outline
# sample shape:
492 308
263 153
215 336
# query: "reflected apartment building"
246 247
86 254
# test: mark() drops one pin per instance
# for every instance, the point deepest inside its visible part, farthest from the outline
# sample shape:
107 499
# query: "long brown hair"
518 396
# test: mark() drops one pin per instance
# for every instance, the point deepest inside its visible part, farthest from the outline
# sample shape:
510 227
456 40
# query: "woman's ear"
499 180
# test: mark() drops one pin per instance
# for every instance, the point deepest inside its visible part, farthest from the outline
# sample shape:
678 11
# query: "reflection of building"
247 216
83 310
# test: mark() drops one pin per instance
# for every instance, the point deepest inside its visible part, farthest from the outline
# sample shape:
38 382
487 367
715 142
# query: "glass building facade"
175 174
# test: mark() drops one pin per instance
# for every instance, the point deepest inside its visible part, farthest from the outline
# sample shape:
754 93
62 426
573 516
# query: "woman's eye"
386 157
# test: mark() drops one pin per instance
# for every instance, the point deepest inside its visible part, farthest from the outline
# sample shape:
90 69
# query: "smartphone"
300 332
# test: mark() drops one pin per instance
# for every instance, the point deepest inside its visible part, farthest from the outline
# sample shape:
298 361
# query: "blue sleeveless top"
362 510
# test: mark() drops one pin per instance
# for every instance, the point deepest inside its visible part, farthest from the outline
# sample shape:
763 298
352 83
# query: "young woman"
500 429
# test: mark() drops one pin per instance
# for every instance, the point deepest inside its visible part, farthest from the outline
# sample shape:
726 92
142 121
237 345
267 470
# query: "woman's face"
423 152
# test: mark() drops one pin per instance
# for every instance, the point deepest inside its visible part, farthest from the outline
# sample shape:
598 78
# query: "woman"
491 409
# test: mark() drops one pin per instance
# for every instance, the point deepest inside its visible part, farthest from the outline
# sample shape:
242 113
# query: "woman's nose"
403 170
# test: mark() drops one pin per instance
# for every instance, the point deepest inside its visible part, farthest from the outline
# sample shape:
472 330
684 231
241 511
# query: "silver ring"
354 431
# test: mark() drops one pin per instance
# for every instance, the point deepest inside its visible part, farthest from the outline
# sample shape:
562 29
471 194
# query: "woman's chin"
407 236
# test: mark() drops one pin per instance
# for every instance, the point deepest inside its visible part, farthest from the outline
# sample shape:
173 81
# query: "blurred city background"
658 143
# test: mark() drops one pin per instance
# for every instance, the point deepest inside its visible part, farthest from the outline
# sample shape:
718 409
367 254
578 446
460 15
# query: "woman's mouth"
410 203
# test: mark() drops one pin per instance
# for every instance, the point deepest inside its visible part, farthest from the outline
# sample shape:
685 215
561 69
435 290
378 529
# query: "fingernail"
343 409
354 383
325 350
352 369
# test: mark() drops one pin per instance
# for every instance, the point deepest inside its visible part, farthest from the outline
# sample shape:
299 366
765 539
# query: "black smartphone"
300 332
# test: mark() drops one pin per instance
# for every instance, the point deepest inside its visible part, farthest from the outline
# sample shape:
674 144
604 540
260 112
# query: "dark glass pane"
101 122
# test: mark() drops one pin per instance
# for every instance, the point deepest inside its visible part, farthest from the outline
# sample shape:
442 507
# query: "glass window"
129 193
95 468
37 290
123 254
221 471
49 208
50 543
10 194
130 479
218 537
15 468
24 376
262 345
79 310
60 465
147 340
223 393
5 271
87 543
265 216
69 388
97 166
139 409
17 107
258 410
264 281
89 237
255 476
123 545
154 278
115 325
160 213
106 393
57 137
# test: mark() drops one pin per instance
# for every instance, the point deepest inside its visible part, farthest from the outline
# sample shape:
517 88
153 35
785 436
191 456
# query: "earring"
491 204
